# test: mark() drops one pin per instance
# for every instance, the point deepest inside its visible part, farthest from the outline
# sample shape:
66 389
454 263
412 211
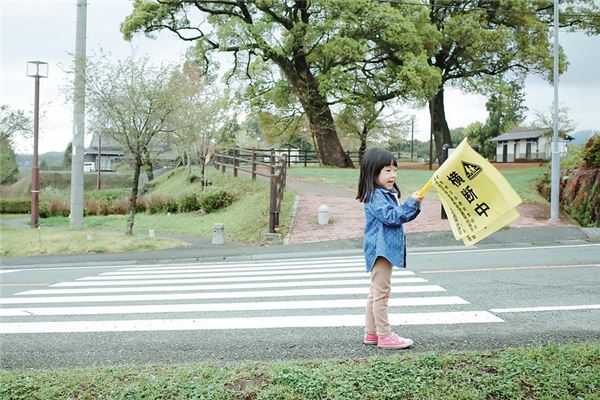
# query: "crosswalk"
294 293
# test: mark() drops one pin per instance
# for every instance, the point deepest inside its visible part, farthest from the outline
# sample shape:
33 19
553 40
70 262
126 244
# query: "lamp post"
37 70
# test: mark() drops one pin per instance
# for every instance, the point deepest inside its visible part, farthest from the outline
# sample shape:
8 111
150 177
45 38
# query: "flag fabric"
477 198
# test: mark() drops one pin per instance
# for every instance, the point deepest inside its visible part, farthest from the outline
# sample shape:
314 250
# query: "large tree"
485 41
321 48
130 100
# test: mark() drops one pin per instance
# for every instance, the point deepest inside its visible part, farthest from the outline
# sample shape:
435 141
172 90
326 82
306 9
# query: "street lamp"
37 70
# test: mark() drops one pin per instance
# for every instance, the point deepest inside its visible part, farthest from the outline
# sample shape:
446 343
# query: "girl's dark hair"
373 161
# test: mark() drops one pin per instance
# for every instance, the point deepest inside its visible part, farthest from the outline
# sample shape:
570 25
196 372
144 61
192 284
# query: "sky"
45 30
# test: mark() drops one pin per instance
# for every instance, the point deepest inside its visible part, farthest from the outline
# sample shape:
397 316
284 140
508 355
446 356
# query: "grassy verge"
245 222
550 372
409 180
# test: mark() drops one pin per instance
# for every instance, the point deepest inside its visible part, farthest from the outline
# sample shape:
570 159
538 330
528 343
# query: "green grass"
45 241
245 222
523 180
551 372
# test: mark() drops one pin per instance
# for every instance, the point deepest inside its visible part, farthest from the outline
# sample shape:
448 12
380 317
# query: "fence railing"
249 161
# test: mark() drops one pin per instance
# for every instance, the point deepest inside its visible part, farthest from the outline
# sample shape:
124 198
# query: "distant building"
532 144
109 151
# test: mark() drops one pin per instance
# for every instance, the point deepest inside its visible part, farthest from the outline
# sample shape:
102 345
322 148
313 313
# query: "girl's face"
387 177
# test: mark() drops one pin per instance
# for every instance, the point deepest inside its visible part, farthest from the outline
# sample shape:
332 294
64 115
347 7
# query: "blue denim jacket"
384 233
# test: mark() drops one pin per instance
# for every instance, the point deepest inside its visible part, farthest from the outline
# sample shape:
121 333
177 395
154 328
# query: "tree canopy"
325 51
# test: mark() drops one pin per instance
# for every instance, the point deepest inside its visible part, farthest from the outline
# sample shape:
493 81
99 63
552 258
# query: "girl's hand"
418 198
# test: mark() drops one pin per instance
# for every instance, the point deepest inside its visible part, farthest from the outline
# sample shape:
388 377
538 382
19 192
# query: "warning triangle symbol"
471 170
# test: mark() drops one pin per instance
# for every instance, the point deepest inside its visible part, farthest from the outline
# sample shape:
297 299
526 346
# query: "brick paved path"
347 218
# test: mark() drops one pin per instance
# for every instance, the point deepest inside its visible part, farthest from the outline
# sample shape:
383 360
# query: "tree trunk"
327 144
148 166
133 198
363 145
441 132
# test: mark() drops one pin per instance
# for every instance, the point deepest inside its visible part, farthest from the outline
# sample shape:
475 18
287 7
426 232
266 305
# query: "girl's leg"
376 315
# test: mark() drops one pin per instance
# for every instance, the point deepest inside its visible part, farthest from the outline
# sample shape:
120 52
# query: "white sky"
45 30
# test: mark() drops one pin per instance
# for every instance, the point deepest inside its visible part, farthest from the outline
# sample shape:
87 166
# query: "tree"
68 156
546 120
131 101
201 116
12 123
505 111
366 122
483 41
320 47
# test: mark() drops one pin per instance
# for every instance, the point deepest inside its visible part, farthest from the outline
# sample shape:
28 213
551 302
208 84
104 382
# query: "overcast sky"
45 30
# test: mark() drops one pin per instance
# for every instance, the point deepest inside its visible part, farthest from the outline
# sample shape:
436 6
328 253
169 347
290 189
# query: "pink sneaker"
370 339
394 342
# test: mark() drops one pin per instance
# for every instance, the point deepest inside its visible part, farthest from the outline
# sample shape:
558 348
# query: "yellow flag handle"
425 188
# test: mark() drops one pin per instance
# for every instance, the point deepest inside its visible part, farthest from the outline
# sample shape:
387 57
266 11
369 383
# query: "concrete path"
347 218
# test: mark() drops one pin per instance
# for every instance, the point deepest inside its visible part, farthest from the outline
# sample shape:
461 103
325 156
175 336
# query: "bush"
214 200
188 203
591 152
15 206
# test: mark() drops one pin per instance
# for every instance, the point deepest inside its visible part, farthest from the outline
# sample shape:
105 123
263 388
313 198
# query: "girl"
384 244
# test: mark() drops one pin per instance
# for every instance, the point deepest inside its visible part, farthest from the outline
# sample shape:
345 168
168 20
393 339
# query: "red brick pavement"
347 218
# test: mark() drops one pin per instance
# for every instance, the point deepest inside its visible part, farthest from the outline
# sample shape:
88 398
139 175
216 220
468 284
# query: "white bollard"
323 215
218 234
150 232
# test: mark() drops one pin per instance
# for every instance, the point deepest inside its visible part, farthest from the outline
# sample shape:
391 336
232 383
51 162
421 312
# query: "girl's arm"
389 214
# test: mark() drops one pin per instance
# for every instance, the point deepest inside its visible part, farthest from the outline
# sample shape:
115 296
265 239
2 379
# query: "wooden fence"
249 161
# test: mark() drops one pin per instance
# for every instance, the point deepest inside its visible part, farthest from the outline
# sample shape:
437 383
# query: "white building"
533 144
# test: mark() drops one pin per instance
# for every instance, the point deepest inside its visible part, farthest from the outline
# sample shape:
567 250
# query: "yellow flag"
478 198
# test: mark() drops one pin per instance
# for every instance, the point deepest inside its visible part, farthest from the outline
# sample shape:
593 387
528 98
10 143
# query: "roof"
519 135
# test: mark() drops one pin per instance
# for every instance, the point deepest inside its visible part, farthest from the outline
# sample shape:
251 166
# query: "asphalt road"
282 308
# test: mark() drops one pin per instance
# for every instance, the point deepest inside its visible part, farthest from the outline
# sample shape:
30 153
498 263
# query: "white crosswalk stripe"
313 292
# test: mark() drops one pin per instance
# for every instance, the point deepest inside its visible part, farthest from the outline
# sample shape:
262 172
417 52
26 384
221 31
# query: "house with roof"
111 151
531 144
108 149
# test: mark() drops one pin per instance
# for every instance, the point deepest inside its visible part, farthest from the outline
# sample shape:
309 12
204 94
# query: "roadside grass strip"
569 371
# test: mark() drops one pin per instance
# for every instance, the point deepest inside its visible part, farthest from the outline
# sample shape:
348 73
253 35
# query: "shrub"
591 152
214 200
188 203
158 204
15 205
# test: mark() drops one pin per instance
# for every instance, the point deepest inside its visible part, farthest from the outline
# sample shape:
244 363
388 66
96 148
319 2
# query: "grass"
245 222
523 180
46 241
569 371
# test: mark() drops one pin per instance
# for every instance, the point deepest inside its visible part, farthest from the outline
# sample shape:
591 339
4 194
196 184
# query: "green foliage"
68 156
215 200
591 153
573 158
188 203
549 372
10 205
9 170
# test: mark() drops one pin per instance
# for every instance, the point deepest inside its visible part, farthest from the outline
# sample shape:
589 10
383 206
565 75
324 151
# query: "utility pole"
412 135
77 179
554 187
98 180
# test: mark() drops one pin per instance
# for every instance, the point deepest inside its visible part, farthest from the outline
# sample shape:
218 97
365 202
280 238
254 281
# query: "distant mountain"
52 159
581 137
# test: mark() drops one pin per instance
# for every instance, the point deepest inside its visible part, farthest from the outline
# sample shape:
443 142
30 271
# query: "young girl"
384 244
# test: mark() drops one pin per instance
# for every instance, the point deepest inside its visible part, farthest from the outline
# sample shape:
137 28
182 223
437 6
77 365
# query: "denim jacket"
384 233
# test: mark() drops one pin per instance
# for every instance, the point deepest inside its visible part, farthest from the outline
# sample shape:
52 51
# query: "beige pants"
376 315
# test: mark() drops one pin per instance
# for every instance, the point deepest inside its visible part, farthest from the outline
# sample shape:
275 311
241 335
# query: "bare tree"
131 101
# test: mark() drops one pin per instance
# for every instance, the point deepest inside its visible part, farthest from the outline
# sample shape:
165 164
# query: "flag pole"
425 188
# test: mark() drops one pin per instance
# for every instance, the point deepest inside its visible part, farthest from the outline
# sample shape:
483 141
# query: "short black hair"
373 161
